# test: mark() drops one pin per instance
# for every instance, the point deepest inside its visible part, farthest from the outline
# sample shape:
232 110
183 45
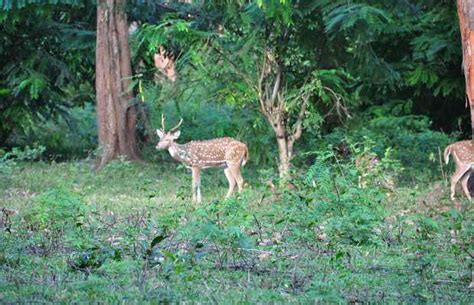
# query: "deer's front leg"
196 187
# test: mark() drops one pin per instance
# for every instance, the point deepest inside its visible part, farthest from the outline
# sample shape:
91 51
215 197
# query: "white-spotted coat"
226 153
463 156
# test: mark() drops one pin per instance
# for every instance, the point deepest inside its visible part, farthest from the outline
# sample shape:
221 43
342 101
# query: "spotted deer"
226 153
463 156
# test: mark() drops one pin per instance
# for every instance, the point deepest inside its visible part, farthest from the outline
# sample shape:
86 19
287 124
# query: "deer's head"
165 62
167 138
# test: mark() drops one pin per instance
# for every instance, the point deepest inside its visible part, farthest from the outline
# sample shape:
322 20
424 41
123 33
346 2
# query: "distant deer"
227 153
463 156
165 63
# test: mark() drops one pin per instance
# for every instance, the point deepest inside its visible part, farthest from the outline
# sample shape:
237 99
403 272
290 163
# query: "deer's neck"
179 152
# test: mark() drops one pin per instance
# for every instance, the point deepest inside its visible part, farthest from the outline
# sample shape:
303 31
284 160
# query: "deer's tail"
245 158
447 152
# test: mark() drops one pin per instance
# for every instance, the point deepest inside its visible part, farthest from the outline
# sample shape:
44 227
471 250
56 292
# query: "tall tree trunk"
116 113
466 25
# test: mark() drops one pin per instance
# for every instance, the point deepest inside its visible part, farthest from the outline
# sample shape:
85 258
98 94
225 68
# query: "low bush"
56 209
72 135
8 159
409 138
126 235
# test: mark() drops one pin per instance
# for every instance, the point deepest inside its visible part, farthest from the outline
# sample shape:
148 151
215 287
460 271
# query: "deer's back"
215 152
463 151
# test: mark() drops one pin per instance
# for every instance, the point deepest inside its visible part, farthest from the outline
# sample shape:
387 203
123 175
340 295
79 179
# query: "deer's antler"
163 122
177 126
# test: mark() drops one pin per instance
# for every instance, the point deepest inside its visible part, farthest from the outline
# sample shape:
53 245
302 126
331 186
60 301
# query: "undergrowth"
130 234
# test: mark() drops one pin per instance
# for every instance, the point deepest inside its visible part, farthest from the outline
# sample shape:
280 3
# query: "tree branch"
276 86
246 79
299 121
337 103
260 89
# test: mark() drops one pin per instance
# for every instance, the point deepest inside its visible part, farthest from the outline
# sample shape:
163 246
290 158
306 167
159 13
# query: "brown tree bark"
116 112
466 25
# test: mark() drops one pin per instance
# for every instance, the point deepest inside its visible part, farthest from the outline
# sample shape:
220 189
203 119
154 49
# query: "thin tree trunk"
284 158
273 106
466 25
284 144
285 139
116 113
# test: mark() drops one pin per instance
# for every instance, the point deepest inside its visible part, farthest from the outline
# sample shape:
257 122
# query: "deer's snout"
162 145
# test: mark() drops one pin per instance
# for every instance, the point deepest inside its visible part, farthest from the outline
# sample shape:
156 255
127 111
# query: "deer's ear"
176 134
160 133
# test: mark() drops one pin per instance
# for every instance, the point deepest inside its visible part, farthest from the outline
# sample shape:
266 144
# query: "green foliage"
68 137
221 62
344 16
121 233
409 138
221 225
9 159
414 56
46 62
347 212
56 209
433 49
19 4
350 227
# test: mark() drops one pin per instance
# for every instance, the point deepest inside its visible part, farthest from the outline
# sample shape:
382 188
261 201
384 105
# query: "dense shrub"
9 159
341 208
56 209
72 135
409 138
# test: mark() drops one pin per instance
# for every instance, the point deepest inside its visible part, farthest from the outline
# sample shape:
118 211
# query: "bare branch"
276 86
268 101
262 73
281 101
299 121
262 105
341 109
260 89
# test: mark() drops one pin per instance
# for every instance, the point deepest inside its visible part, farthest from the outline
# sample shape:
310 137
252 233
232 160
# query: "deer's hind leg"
456 176
235 171
464 182
231 180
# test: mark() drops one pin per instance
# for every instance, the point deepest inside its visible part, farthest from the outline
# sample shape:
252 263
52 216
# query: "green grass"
131 234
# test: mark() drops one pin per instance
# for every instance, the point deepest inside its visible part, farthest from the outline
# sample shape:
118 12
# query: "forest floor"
131 234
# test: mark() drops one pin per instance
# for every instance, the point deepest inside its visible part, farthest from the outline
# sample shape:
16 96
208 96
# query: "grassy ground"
130 234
